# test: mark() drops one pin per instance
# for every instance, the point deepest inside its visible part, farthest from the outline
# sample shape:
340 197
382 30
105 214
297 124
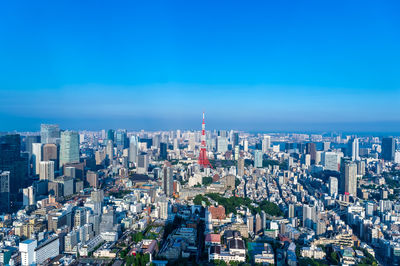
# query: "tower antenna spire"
203 160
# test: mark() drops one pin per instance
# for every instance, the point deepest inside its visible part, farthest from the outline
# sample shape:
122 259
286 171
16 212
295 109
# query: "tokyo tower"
203 160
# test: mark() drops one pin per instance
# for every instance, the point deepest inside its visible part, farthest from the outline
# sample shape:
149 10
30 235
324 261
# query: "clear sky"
250 65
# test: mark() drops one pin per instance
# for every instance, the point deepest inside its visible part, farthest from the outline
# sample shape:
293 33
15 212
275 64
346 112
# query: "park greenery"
120 193
138 259
207 180
232 203
199 199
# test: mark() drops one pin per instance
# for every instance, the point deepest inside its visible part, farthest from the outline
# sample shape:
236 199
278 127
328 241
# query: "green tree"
207 180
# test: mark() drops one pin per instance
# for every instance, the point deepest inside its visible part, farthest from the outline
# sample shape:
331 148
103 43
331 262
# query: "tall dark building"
163 151
312 150
301 147
121 139
4 191
168 181
12 161
388 149
235 140
110 134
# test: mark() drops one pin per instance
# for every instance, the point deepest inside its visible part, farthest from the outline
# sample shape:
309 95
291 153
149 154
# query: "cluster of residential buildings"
67 195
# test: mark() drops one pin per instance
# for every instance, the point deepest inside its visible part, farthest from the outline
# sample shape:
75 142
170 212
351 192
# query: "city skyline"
267 67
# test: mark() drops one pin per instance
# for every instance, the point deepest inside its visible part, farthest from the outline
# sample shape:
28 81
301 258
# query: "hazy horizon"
266 66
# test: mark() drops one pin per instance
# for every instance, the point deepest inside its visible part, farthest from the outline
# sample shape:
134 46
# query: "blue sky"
260 65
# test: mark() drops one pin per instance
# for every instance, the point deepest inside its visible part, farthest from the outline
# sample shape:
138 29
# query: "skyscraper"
235 139
121 139
93 179
311 149
110 150
4 191
258 158
309 215
156 141
353 149
222 144
163 151
36 157
143 163
291 211
388 149
110 135
333 186
240 167
258 227
12 161
49 133
69 148
46 170
28 143
330 160
133 149
192 141
349 177
168 181
266 144
50 153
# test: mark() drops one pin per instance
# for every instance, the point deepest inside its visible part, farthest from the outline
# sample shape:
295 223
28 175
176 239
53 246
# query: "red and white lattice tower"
203 160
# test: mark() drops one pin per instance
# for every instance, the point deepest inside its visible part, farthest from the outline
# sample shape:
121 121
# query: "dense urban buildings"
224 196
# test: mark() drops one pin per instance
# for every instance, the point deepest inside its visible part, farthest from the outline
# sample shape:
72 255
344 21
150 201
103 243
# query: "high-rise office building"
291 211
258 225
46 170
36 157
50 153
222 144
222 133
326 146
388 149
133 149
69 147
330 160
12 161
236 152
49 133
250 222
353 149
4 191
312 150
240 167
110 135
168 177
266 144
246 145
121 139
309 215
235 139
156 141
349 177
192 141
333 186
361 168
28 143
110 150
143 163
258 158
163 151
93 179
